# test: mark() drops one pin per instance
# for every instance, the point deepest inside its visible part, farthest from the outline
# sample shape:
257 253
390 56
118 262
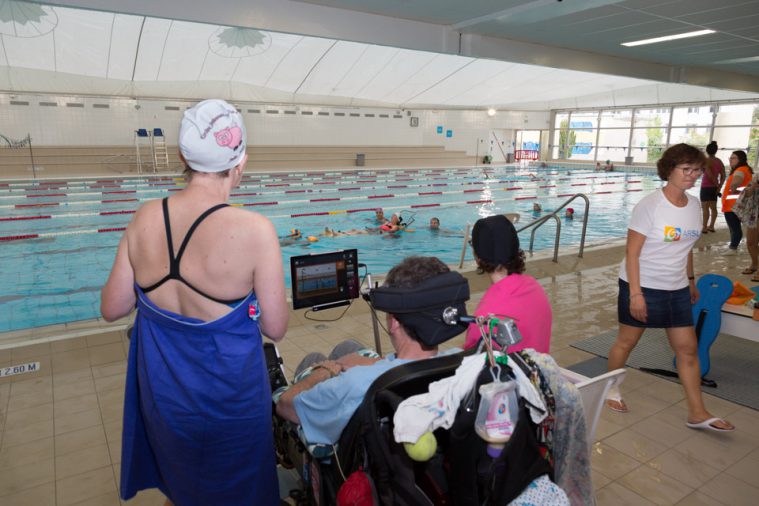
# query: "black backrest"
368 436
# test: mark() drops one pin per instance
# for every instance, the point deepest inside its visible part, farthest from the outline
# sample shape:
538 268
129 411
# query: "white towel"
437 408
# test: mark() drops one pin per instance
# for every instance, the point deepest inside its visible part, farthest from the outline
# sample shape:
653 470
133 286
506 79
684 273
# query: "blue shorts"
666 308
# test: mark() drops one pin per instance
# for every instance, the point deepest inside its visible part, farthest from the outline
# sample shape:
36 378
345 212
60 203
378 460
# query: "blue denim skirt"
666 308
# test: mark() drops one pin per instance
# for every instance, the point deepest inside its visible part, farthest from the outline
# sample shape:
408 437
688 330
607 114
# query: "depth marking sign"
19 369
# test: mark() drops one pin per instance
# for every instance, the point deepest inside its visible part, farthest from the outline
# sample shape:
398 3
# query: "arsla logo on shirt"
674 234
671 234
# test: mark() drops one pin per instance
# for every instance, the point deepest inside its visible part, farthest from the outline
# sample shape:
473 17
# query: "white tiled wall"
94 124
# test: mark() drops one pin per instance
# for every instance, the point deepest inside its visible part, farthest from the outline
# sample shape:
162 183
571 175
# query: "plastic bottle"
497 415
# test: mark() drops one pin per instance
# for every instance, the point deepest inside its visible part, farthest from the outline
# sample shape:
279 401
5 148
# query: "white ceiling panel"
332 68
83 51
184 52
297 63
150 50
123 46
31 52
260 68
82 39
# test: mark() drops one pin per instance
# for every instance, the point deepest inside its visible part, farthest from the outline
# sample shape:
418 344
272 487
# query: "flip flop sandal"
748 270
614 401
619 407
707 425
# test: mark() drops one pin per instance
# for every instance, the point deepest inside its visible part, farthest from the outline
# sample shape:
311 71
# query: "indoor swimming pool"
59 236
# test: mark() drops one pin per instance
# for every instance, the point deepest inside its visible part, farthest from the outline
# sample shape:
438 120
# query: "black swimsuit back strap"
175 261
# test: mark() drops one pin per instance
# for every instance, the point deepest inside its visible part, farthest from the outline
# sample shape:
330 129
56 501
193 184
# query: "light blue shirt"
326 409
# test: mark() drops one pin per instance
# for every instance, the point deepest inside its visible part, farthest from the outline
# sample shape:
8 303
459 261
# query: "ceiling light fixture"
748 59
491 112
668 37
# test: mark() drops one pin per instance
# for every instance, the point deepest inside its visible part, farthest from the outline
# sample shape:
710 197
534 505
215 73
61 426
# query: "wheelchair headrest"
421 308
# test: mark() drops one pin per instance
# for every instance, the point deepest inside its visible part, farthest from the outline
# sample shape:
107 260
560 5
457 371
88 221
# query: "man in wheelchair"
324 400
348 402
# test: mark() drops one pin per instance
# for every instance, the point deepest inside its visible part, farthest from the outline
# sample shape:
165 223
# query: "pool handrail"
537 223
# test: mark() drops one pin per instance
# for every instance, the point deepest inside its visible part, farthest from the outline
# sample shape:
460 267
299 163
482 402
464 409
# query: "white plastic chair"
593 392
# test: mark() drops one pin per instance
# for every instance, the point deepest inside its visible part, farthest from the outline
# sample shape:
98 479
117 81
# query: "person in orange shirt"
740 175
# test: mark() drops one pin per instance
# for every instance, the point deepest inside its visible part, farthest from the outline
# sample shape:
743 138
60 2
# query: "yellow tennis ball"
422 450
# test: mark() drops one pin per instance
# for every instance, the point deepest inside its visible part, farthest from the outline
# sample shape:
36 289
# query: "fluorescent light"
668 37
491 112
748 59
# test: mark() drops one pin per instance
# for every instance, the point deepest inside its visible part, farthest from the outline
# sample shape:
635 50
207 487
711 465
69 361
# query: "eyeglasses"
689 171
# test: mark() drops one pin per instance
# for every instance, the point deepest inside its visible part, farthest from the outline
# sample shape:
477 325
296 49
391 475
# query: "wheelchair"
461 472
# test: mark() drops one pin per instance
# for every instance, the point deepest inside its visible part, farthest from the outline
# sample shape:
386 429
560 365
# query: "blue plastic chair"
714 290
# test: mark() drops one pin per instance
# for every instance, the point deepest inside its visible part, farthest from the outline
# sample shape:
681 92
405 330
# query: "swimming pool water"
57 276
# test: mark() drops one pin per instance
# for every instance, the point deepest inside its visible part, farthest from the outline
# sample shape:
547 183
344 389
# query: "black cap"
495 240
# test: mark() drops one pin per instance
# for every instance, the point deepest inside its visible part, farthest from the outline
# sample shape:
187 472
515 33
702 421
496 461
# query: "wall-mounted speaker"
414 121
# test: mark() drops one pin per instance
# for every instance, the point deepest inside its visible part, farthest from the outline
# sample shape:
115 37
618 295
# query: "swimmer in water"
294 236
434 223
379 215
569 214
537 208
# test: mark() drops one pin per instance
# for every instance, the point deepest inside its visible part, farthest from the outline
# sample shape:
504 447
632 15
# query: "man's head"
434 223
212 137
496 245
379 213
414 295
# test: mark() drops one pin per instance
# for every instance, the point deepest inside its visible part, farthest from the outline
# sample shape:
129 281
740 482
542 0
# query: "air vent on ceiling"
355 115
338 114
322 113
48 104
74 104
19 102
368 115
101 106
254 111
306 113
289 112
171 108
384 115
272 111
396 116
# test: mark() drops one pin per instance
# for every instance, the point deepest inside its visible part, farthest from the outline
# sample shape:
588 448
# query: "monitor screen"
324 278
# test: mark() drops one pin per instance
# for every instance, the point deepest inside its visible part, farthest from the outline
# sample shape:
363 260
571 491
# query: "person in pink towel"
496 250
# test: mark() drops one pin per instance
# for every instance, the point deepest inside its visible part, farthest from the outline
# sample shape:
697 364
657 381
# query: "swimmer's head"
434 223
570 212
212 136
311 238
537 207
379 213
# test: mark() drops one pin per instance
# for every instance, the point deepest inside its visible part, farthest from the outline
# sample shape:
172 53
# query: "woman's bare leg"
705 215
627 338
685 345
752 244
713 212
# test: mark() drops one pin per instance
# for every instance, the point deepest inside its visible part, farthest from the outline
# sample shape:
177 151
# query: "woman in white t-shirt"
656 280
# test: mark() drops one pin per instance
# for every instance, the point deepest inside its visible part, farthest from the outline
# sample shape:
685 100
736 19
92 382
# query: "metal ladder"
141 142
160 153
535 224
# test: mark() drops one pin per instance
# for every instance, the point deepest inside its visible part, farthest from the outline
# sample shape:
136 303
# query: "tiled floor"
61 426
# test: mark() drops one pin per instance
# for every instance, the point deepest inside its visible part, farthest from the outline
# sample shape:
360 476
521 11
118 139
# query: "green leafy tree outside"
567 139
654 141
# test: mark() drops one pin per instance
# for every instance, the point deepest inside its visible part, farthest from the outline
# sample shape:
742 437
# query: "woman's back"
223 258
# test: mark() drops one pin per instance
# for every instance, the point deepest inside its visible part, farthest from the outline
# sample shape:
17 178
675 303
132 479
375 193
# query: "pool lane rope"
296 215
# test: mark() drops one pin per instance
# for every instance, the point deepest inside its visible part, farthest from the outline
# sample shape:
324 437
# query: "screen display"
324 278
